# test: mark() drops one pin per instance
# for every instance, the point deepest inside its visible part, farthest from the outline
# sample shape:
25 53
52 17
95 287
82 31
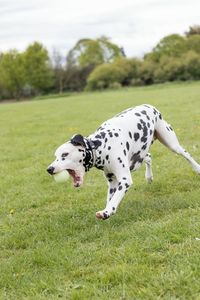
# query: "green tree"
88 52
172 45
58 71
12 73
193 43
191 61
38 69
76 78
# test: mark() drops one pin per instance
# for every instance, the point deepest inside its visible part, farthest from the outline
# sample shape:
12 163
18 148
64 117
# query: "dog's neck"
90 154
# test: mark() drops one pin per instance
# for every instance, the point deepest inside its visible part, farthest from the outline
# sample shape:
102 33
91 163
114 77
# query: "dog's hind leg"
148 171
166 135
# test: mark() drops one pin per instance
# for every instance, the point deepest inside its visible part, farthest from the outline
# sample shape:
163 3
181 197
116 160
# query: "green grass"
51 245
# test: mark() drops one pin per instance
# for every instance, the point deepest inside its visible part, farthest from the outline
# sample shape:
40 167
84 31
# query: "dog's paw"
149 179
102 215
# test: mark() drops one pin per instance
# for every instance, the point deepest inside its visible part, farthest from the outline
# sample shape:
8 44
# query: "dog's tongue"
75 177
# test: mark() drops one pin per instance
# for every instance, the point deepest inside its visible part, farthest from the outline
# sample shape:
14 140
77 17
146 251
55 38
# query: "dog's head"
70 156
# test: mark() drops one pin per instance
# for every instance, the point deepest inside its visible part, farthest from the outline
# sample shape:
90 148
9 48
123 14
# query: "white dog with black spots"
117 147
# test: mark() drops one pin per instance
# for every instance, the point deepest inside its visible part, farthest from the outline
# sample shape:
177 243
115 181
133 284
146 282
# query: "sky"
135 25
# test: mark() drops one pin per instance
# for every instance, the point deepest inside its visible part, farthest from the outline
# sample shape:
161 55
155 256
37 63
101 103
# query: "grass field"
51 245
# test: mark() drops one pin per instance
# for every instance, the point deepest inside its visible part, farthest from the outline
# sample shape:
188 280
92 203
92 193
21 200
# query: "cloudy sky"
137 25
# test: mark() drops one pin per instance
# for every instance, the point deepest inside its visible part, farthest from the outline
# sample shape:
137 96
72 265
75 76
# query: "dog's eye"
64 154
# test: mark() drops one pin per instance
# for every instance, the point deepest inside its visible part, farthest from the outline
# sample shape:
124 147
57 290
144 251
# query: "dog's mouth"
76 178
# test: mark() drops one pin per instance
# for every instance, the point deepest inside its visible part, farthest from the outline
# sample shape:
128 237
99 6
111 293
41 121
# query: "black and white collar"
90 154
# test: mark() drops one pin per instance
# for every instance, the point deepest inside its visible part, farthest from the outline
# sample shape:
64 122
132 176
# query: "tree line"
95 64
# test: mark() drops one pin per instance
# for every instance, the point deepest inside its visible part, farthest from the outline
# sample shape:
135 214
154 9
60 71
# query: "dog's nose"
50 170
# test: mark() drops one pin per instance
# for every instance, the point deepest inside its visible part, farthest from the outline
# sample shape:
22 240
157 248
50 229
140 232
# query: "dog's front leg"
112 185
122 186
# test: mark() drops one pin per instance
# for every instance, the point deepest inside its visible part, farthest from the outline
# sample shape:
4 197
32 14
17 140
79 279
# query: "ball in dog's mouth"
62 176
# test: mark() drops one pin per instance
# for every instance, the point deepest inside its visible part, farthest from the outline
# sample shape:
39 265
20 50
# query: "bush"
115 85
147 71
192 65
121 71
186 67
136 82
169 69
106 74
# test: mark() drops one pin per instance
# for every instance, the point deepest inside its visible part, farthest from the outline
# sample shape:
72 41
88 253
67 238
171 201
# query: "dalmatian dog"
117 147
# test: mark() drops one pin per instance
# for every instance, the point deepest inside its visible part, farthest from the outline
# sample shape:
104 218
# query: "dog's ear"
78 140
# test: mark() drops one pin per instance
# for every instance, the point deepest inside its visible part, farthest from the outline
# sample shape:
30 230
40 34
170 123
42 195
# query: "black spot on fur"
145 131
155 111
137 114
97 136
109 175
116 134
119 159
136 136
144 146
111 191
139 126
130 134
97 143
103 134
135 159
143 112
100 168
124 152
143 139
127 145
